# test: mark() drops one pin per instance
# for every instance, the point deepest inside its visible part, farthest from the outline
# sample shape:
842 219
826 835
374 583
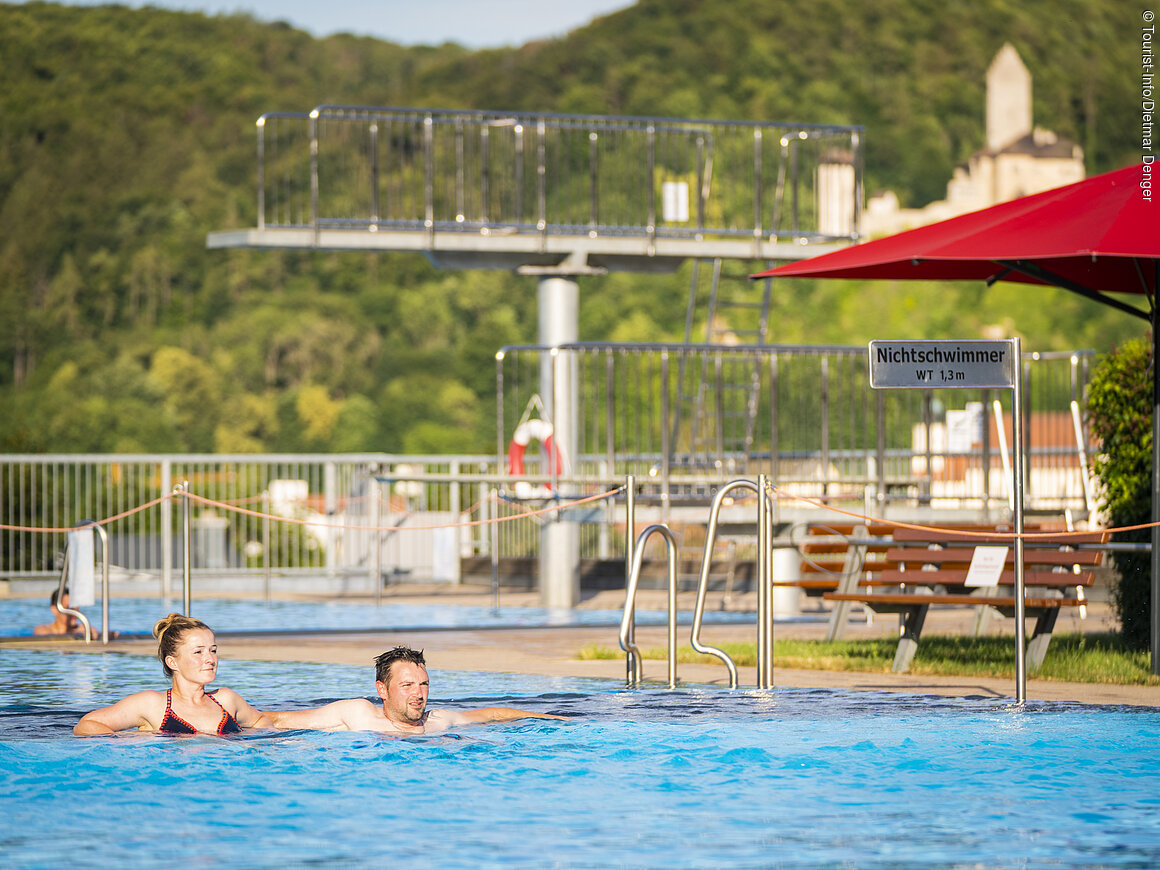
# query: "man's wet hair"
398 654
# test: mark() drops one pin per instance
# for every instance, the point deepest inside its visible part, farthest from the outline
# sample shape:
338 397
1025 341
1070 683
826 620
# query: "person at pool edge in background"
62 623
188 653
402 683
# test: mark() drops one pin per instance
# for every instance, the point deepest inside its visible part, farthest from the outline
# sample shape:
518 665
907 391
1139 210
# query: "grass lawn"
1076 658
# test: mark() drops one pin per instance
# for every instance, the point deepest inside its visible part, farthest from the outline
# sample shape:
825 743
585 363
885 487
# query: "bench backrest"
1034 536
943 556
826 548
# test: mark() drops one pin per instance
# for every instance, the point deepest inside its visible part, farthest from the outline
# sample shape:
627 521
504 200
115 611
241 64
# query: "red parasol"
1097 236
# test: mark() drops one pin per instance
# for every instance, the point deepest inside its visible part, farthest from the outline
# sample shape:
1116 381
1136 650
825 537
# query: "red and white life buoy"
539 430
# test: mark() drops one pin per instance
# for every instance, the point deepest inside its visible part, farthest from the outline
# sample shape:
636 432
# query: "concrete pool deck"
554 651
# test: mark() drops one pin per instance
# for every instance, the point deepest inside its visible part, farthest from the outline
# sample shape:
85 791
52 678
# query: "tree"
1119 407
248 424
192 394
317 415
357 428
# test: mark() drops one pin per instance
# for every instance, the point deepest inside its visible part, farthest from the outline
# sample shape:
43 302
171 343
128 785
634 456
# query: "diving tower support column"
559 306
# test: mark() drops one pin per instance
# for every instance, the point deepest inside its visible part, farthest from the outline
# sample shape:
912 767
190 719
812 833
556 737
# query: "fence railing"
308 513
684 418
485 172
816 429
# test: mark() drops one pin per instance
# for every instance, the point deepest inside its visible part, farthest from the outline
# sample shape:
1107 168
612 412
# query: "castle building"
1019 158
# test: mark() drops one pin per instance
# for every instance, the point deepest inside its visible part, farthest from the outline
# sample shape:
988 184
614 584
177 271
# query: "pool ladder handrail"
765 515
628 620
764 582
68 611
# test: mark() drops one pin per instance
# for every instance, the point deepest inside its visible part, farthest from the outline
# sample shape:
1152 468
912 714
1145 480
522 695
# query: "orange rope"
103 522
547 510
965 532
469 523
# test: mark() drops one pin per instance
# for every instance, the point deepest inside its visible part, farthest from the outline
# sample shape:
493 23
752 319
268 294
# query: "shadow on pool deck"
553 651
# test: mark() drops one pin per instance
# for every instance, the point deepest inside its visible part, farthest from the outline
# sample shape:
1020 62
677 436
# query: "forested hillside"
127 135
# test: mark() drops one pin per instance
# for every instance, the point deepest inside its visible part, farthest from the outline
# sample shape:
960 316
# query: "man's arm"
336 716
490 714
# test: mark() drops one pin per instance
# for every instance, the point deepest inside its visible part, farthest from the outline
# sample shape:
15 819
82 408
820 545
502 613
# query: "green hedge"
1120 411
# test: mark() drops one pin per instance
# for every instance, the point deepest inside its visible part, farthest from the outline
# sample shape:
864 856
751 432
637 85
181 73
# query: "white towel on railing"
81 569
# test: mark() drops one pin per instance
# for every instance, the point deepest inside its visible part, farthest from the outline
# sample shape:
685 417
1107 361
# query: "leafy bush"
1119 406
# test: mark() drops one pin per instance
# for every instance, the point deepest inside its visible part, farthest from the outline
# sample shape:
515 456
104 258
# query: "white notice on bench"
986 566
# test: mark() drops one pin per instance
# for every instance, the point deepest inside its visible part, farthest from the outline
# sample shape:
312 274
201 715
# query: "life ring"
540 430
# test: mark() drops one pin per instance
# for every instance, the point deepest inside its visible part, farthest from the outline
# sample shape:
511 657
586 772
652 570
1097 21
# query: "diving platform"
572 194
528 255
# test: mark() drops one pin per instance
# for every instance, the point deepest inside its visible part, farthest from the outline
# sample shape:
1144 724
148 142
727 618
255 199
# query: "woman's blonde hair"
169 632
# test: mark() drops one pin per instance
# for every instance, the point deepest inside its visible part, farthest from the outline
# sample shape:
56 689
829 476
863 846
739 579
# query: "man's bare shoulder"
359 714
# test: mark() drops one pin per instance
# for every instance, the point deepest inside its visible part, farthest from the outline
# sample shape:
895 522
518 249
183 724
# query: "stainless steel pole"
376 536
631 675
764 611
166 531
674 560
1154 633
770 516
1017 471
492 504
104 582
187 549
267 531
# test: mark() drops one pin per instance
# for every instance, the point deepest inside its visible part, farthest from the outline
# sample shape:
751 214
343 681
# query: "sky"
471 23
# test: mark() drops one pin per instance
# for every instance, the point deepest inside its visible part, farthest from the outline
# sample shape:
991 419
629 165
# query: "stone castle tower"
1008 99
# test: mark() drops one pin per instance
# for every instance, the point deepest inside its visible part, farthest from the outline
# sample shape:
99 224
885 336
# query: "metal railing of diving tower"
483 172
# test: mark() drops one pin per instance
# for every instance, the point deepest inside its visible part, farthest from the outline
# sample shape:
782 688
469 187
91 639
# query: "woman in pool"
188 653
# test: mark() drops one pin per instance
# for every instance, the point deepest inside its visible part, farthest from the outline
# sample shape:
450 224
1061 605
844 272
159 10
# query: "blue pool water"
18 616
695 777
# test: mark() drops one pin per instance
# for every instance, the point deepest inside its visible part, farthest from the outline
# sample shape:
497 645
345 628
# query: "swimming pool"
18 616
694 777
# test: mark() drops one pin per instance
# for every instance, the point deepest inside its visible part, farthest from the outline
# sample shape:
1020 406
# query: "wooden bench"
831 552
925 567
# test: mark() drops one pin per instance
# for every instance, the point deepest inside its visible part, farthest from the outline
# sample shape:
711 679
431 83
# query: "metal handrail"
104 582
68 611
186 549
703 585
764 583
627 622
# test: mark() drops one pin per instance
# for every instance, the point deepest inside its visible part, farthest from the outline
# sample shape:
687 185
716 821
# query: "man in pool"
401 681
